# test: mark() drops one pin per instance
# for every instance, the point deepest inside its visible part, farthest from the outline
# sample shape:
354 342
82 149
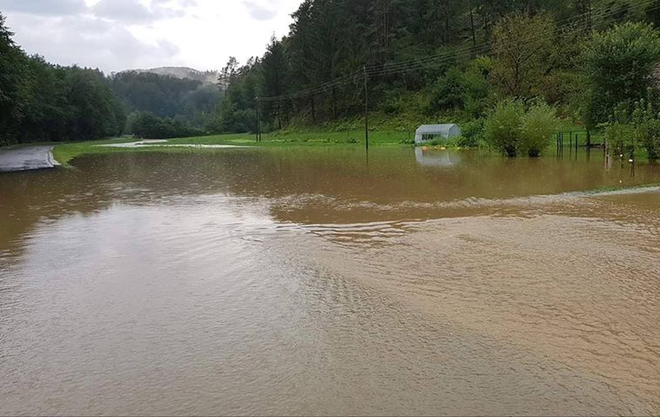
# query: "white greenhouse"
427 133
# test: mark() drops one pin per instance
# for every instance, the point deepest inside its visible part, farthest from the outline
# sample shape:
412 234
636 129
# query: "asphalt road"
27 158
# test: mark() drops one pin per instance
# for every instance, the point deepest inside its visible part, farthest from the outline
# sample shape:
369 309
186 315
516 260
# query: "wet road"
27 158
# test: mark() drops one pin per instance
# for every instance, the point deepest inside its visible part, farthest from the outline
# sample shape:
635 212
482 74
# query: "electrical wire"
442 59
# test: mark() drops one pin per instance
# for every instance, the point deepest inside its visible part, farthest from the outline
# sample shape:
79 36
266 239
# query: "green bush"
393 101
149 126
503 127
620 136
449 91
538 126
477 90
649 135
620 64
461 90
628 131
647 123
515 131
472 133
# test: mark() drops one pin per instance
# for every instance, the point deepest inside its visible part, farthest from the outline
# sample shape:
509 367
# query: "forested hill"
191 101
424 59
206 77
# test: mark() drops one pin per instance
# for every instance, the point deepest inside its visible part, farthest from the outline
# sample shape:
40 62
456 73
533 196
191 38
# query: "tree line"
44 102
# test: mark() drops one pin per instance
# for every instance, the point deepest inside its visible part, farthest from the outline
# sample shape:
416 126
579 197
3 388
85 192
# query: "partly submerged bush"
649 136
503 126
514 131
538 126
629 131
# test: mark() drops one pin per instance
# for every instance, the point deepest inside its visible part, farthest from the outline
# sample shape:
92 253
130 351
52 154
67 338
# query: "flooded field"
325 281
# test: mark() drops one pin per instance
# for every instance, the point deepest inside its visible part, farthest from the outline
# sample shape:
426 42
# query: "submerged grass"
347 137
64 153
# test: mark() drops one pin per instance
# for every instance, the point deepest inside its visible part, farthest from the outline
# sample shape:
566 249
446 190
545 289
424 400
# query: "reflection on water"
435 158
308 281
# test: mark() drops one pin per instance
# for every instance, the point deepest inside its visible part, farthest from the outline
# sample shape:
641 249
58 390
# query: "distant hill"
206 77
182 93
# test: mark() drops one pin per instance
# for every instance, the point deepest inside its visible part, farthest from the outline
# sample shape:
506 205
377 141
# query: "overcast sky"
114 35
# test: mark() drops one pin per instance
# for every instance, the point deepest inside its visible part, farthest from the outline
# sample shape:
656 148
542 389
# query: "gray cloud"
44 7
89 41
69 32
132 11
261 10
108 34
128 11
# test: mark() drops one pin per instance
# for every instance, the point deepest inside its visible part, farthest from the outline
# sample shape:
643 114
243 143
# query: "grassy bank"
66 152
348 137
345 135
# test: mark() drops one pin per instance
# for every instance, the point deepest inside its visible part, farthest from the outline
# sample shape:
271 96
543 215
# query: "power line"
444 58
449 57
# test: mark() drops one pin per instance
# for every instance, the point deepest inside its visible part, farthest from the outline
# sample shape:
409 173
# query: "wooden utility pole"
258 121
366 108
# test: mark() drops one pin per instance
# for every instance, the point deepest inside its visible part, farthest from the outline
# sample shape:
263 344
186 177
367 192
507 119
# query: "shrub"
393 101
538 126
628 131
477 90
503 126
149 126
461 90
472 133
647 124
620 64
449 91
649 135
514 131
620 136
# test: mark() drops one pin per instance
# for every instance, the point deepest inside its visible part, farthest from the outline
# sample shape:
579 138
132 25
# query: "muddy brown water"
320 281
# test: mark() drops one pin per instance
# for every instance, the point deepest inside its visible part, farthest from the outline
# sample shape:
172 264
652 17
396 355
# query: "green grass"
64 153
347 137
567 127
347 134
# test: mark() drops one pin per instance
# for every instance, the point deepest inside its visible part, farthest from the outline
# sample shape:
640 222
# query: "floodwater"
322 281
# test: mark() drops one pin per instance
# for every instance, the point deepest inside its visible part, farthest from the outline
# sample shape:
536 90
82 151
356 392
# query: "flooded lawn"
323 281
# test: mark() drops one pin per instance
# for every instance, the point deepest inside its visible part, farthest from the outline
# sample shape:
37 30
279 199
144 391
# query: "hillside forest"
484 64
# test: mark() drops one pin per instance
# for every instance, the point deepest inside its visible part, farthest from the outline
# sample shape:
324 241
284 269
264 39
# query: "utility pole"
366 108
258 121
